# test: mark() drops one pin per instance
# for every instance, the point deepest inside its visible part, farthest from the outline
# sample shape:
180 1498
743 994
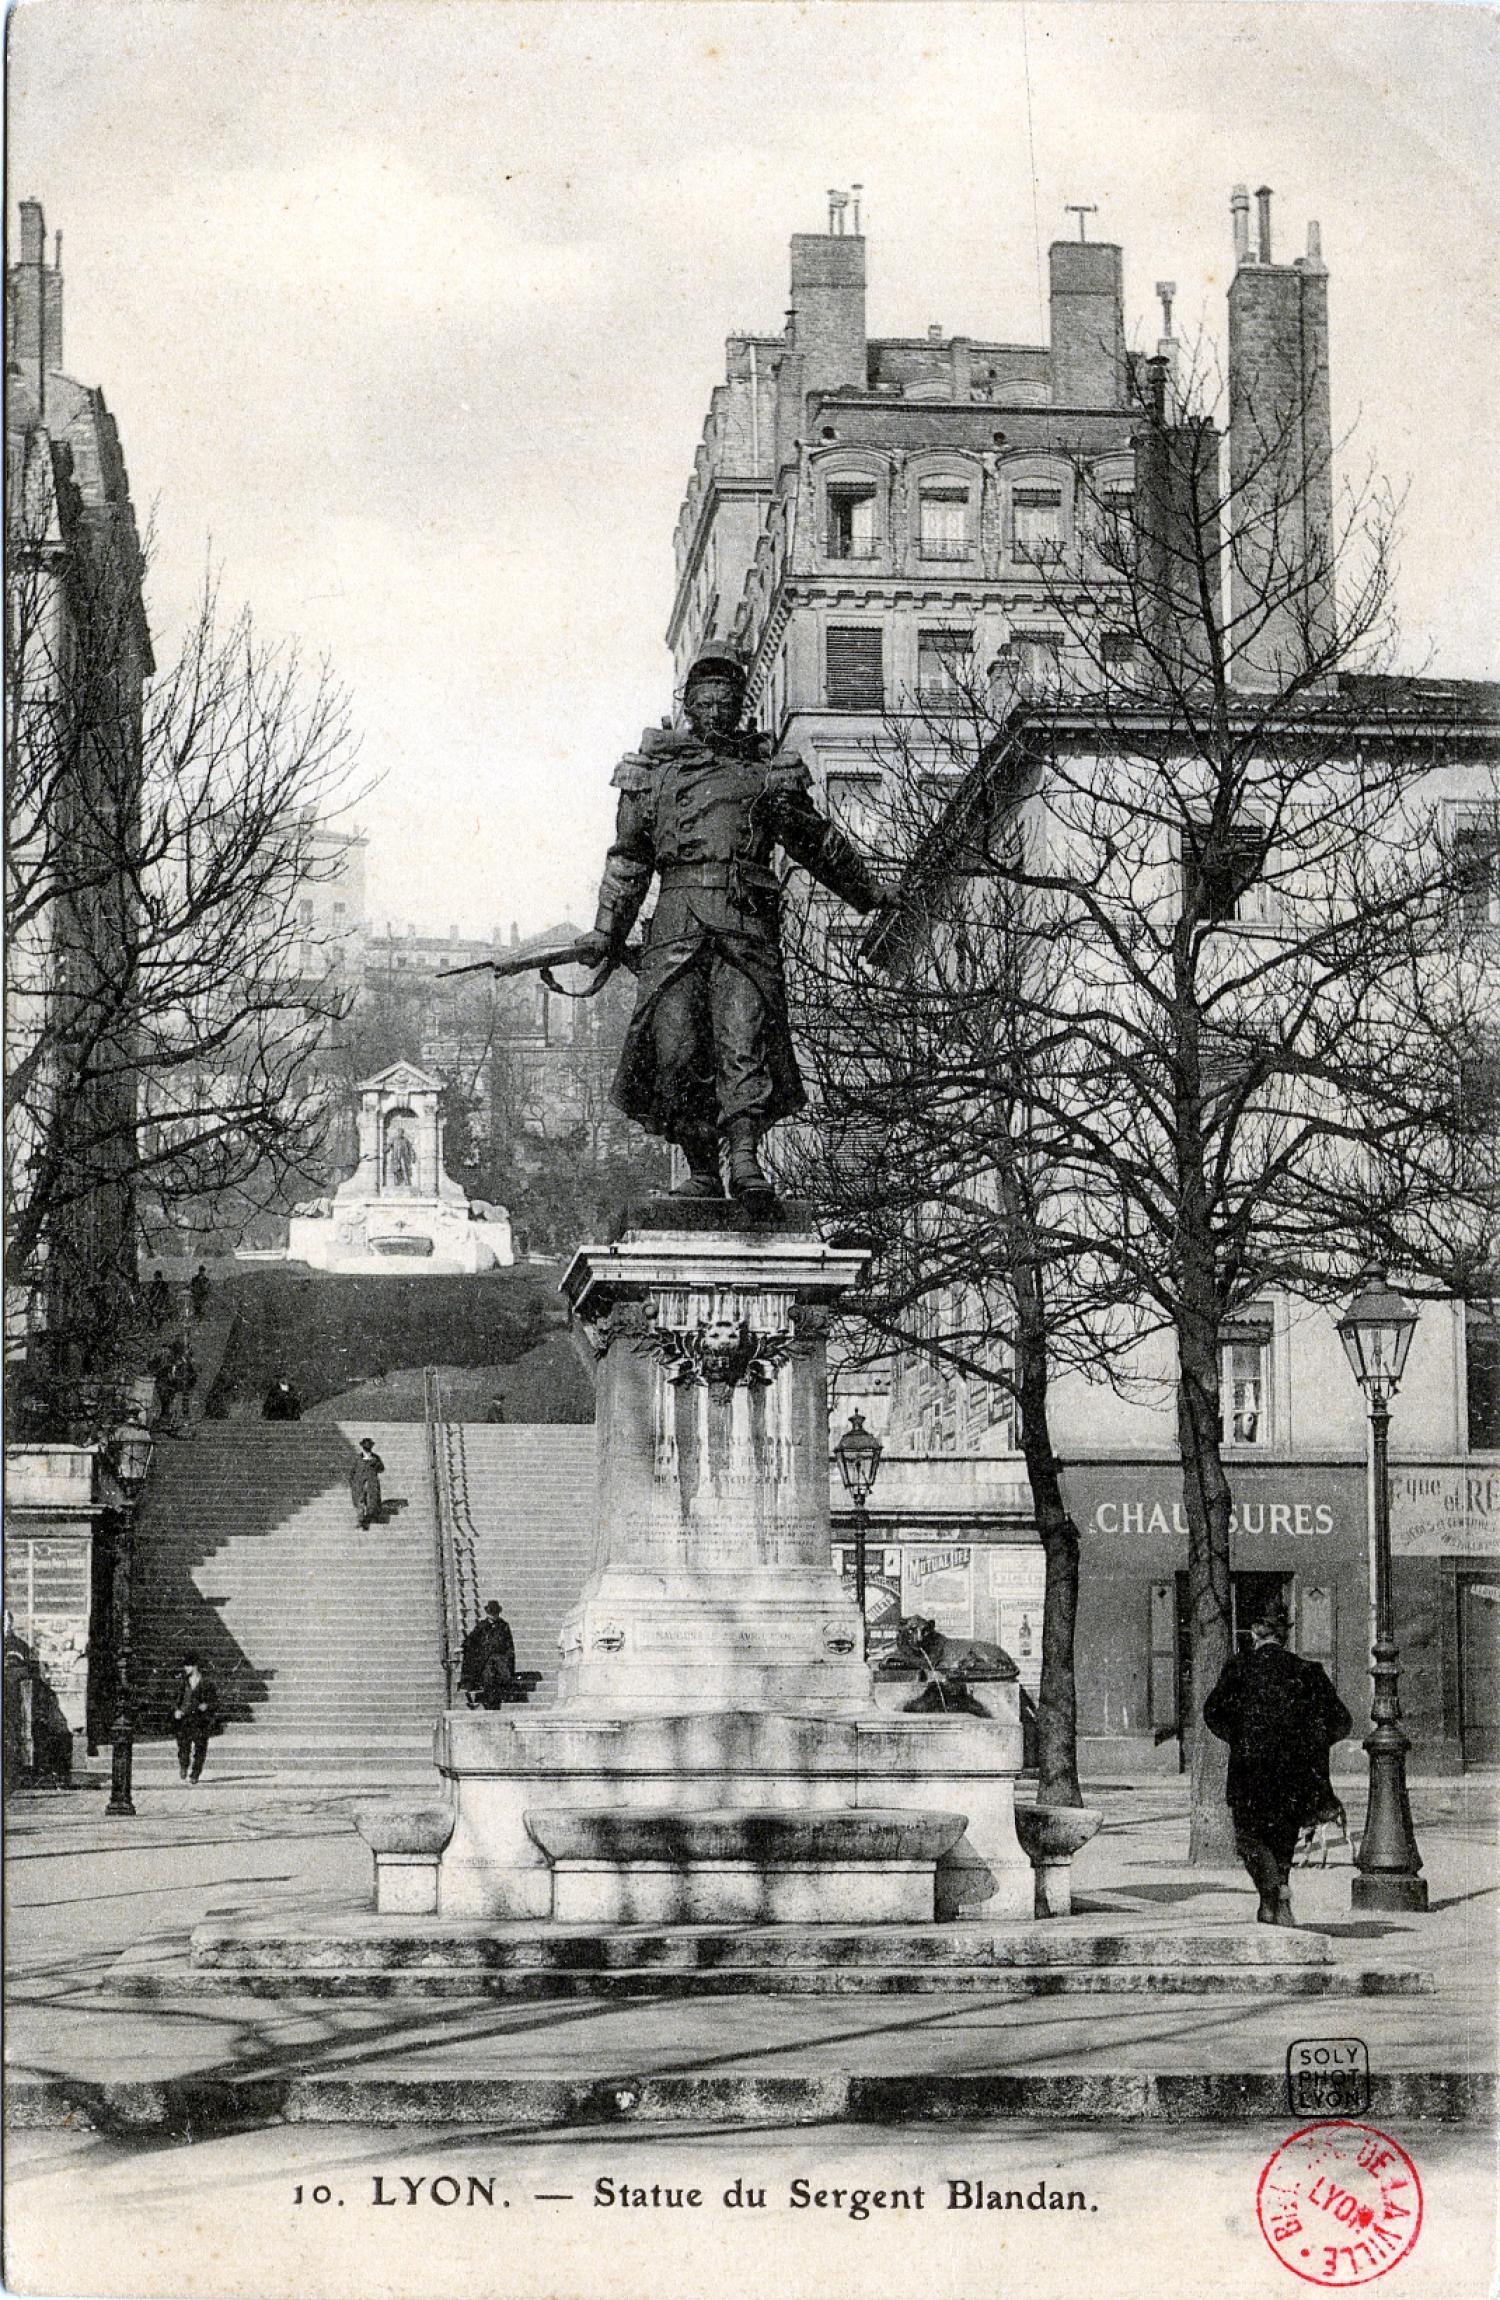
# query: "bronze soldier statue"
708 1059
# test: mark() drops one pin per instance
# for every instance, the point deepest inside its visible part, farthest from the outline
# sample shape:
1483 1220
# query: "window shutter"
1163 1686
1315 1625
856 674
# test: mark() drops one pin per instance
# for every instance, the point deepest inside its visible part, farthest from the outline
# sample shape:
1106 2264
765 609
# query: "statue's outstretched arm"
813 841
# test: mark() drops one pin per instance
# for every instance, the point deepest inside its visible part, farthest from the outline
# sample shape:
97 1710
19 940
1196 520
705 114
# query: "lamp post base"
1394 1896
121 1767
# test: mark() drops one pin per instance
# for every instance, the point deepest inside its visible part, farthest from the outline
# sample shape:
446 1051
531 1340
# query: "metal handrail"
464 1535
450 1598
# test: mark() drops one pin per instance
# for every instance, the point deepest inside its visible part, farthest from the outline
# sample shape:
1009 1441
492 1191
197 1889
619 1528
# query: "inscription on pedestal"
713 1474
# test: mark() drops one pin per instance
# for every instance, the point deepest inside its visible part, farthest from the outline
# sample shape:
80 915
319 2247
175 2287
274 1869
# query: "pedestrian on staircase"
364 1485
281 1402
199 1289
489 1660
195 1717
1281 1716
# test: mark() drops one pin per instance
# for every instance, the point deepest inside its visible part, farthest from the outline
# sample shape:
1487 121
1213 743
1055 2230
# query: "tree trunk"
1057 1703
1207 1498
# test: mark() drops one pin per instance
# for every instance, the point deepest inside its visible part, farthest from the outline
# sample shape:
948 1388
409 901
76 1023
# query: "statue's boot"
747 1176
703 1179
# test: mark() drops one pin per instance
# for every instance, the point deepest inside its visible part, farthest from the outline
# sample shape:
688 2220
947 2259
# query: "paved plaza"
86 1891
154 2129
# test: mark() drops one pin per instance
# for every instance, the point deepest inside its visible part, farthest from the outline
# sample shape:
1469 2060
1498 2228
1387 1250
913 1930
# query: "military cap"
714 663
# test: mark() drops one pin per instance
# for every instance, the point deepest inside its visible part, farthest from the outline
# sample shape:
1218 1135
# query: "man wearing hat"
1280 1716
487 1670
708 1058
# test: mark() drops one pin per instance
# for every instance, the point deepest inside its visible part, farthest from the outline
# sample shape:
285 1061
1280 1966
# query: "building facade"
78 655
862 513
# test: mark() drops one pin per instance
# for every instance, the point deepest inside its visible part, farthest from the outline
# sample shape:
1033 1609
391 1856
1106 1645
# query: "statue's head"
714 692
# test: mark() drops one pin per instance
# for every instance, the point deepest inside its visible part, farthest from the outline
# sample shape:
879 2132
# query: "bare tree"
169 984
1238 826
1205 995
934 1144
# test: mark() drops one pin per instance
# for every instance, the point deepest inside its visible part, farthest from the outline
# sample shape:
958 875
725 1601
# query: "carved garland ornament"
714 1336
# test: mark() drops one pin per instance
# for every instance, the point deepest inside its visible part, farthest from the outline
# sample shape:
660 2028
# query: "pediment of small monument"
400 1078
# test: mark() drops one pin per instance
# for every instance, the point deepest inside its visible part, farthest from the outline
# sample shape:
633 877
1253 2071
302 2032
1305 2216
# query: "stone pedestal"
713 1678
713 1585
504 1769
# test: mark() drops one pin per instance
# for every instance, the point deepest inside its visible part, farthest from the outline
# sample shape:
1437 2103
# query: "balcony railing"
853 547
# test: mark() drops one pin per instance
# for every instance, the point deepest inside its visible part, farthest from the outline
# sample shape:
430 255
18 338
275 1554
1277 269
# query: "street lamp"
858 1456
1376 1332
130 1460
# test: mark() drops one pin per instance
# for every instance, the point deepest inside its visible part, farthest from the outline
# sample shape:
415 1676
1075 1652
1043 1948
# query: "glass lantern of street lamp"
130 1456
858 1456
1376 1332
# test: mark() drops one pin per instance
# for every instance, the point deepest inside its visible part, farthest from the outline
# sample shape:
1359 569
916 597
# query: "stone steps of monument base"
358 1938
150 1979
358 1954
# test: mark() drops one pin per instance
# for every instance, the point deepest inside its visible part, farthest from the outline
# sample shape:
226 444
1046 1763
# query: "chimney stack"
828 304
34 303
1239 208
1280 459
1087 297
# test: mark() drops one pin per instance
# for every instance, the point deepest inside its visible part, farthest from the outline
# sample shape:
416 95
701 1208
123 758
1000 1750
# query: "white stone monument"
399 1210
716 1752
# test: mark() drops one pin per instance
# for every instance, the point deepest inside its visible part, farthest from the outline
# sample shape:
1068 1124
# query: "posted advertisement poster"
715 704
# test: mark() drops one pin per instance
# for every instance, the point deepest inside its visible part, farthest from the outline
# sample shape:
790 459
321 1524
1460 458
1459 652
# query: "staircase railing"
457 1568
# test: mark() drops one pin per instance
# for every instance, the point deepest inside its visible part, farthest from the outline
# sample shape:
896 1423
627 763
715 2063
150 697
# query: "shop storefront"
1445 1543
954 1539
50 1600
1300 1530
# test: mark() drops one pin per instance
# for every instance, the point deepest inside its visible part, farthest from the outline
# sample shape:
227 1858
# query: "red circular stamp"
1339 2203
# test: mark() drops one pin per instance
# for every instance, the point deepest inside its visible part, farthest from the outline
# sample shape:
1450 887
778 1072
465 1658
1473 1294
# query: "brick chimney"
1087 279
1280 450
828 308
34 300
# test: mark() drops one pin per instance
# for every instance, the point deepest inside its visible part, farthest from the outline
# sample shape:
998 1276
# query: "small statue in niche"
401 1159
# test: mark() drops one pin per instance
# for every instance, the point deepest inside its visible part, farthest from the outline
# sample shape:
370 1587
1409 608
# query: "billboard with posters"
882 1590
937 1579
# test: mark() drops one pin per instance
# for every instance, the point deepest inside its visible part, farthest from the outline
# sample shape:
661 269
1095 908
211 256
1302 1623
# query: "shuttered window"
856 672
1037 522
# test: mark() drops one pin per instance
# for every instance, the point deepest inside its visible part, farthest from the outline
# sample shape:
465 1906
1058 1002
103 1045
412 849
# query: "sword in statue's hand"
544 963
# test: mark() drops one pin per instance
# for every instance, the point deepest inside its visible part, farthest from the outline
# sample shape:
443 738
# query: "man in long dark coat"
489 1660
195 1717
1280 1716
364 1485
708 1057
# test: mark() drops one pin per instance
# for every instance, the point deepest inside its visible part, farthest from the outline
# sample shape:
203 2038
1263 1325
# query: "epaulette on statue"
658 745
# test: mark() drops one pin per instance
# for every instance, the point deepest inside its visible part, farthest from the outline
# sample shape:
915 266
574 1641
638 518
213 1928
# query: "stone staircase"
529 1491
324 1641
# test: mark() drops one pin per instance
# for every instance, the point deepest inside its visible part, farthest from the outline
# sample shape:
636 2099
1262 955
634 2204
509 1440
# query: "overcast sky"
411 311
